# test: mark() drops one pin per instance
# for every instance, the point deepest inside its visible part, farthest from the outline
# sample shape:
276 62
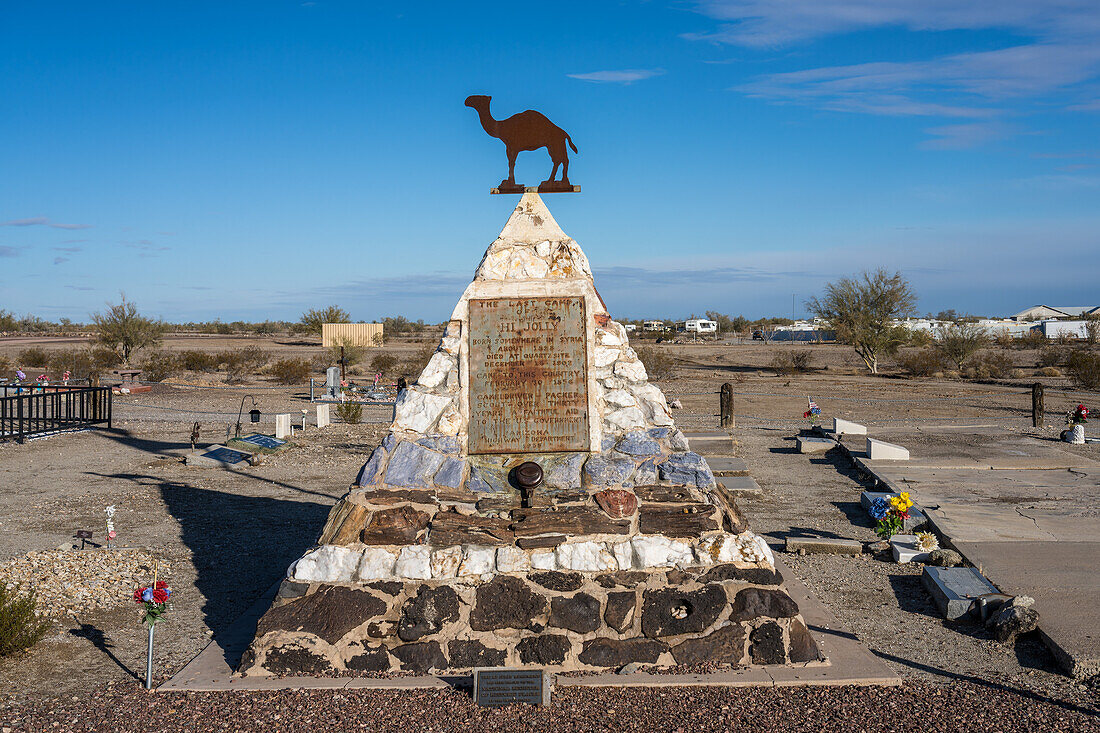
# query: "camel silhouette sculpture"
528 130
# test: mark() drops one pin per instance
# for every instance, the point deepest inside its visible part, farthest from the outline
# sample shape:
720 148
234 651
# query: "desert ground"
222 537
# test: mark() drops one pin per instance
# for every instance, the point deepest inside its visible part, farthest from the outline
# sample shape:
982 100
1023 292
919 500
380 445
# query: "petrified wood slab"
667 493
545 540
389 497
685 520
345 523
450 528
571 521
398 526
617 503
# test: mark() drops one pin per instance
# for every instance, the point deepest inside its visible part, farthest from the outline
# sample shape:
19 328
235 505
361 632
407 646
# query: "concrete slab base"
824 546
740 486
808 444
848 662
727 466
880 450
846 427
904 547
711 444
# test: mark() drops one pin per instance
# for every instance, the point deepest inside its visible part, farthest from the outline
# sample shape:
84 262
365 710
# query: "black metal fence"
40 410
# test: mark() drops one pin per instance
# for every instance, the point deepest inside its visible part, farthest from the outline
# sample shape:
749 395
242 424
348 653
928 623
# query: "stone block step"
728 466
824 546
711 444
740 486
956 590
904 547
809 444
880 450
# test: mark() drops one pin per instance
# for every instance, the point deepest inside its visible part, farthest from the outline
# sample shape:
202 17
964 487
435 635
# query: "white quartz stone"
415 561
543 560
607 338
512 560
623 553
613 383
627 418
449 344
327 564
652 401
606 355
418 411
450 422
445 562
587 557
542 249
677 441
716 549
453 382
477 561
633 371
657 551
435 373
376 564
620 398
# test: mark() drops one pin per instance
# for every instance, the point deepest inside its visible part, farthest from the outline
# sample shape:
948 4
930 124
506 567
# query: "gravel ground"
228 535
919 707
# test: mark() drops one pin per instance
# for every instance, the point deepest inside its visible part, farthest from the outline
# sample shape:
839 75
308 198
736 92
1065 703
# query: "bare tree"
862 311
124 330
959 341
312 320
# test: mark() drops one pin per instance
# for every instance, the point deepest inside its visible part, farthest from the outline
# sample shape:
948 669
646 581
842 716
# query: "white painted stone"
435 373
623 553
450 344
606 355
880 450
587 557
477 561
323 417
414 562
282 426
543 560
327 564
512 560
445 562
633 371
846 427
418 411
627 418
620 398
658 551
376 564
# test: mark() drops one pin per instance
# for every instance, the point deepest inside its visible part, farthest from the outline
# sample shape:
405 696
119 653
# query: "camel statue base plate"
554 187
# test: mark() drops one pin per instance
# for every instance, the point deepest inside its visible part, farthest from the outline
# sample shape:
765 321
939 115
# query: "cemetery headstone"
282 425
332 383
323 419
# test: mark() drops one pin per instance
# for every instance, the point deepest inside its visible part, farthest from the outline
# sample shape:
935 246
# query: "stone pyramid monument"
532 504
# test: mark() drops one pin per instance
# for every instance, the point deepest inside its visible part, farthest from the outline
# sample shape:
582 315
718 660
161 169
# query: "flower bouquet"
155 599
890 514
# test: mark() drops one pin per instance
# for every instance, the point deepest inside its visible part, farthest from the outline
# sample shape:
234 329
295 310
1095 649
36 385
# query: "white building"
1043 312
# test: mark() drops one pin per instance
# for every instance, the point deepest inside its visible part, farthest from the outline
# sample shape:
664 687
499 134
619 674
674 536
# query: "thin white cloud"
42 221
961 137
622 76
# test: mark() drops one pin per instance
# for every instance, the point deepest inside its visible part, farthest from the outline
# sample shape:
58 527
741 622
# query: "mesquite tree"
124 330
863 310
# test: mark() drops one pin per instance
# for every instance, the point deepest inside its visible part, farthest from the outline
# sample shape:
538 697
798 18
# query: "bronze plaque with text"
528 382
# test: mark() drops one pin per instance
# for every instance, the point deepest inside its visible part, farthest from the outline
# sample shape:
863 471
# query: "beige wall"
357 334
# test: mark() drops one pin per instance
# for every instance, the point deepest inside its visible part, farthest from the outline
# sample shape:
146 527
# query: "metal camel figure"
528 130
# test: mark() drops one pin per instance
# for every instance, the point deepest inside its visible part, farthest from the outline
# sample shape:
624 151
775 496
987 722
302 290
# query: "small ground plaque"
262 441
226 455
528 375
498 686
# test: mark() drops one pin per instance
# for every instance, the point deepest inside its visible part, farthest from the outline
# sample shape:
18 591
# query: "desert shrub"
1051 356
657 362
198 361
158 366
414 364
356 371
1004 340
1050 371
20 627
290 371
1032 340
350 412
321 362
921 363
1083 368
959 342
34 357
1018 374
992 365
792 362
78 362
102 359
6 365
919 338
121 328
383 363
951 374
240 362
352 353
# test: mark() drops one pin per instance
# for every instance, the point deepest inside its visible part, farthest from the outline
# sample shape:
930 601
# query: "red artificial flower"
137 595
160 585
160 596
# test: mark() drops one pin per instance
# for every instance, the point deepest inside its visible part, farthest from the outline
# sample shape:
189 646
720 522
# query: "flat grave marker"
499 686
263 441
956 590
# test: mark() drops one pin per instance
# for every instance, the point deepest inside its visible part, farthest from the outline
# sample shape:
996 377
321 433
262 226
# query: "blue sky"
250 160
